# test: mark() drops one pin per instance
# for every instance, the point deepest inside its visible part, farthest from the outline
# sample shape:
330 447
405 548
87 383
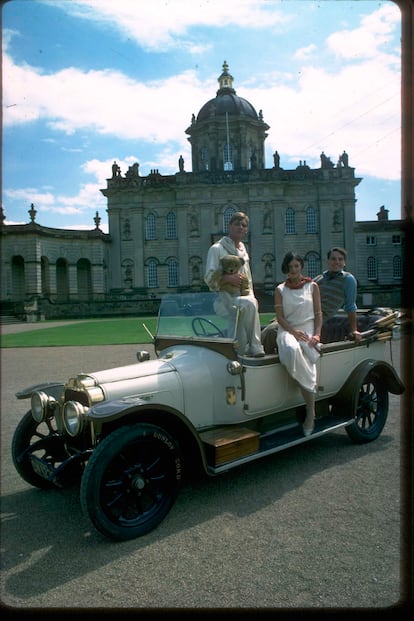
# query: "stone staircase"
6 320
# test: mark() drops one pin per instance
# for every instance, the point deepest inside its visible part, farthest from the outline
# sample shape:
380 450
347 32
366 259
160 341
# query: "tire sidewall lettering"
161 437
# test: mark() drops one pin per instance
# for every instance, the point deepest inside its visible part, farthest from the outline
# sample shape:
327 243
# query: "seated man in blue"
338 290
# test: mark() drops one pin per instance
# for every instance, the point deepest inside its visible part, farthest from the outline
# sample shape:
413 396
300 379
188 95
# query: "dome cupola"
227 133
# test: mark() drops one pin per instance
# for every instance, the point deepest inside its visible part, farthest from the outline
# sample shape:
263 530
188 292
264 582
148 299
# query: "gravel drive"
316 526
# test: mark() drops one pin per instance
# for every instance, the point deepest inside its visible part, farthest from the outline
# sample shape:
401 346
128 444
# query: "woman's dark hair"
291 256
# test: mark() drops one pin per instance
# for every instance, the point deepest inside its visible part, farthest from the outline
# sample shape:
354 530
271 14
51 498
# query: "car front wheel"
131 481
372 410
43 442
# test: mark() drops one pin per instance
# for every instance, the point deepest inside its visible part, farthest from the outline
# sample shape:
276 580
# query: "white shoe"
308 431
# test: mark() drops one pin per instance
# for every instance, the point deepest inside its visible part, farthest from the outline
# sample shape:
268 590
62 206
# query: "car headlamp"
38 404
74 417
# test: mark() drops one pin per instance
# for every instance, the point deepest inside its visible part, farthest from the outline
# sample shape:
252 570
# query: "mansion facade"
161 226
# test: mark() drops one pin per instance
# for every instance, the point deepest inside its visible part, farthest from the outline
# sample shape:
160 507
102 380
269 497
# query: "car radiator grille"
76 395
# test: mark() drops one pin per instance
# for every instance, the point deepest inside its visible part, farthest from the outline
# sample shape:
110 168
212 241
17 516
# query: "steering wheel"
204 327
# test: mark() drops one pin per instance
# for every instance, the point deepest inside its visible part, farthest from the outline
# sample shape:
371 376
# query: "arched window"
227 217
249 157
372 271
84 278
171 226
204 158
151 273
150 227
312 260
62 280
311 226
45 276
396 267
228 157
18 278
290 225
172 273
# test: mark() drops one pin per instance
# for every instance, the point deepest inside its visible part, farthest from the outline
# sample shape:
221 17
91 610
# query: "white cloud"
305 52
70 100
88 198
375 32
341 109
162 24
354 107
30 195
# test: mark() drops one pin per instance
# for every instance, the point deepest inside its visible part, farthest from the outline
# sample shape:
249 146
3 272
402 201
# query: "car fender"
348 396
136 410
55 389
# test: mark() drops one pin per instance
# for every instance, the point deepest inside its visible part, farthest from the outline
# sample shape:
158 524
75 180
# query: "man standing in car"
248 328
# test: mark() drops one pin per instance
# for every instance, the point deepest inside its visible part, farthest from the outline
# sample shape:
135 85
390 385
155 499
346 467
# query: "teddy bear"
224 305
230 264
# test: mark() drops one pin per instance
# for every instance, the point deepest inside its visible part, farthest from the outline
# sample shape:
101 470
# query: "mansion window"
228 157
372 269
396 267
150 227
396 240
227 217
172 273
311 226
204 158
371 240
151 273
290 224
313 264
171 226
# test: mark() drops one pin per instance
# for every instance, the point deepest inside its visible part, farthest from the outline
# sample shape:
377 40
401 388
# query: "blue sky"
87 82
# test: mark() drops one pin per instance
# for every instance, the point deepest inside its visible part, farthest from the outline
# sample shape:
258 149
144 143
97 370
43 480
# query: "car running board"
236 446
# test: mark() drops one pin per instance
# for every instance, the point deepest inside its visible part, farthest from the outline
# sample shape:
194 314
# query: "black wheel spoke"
372 410
131 481
42 441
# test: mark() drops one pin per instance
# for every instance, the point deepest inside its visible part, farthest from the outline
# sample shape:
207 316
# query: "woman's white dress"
298 311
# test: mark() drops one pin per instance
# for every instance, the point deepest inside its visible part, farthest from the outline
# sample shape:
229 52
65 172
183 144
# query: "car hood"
132 371
153 380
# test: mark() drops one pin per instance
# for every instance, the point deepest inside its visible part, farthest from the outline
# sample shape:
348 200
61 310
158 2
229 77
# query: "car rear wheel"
372 410
131 481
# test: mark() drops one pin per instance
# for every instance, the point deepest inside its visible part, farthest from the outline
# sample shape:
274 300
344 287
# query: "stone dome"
226 100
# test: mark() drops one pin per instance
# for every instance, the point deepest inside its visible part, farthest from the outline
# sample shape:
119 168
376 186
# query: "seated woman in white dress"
298 311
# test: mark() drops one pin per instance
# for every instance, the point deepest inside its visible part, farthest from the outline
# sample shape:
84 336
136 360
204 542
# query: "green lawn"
115 331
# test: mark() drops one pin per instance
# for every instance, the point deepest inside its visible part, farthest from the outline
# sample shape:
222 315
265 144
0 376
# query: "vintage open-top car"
130 433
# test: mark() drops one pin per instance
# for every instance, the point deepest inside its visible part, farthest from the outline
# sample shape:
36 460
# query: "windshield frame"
207 319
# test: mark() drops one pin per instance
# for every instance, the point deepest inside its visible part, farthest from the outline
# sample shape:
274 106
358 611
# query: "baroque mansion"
161 226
